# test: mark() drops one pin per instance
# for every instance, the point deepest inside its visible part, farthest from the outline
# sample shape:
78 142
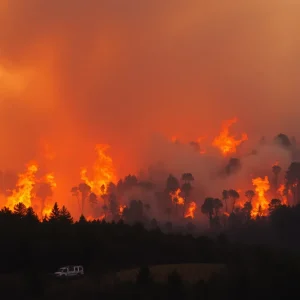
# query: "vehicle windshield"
62 270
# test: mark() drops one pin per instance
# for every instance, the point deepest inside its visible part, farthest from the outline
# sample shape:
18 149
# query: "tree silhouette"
146 185
276 171
250 195
187 177
247 210
111 188
292 181
172 184
93 198
105 210
75 192
135 212
274 204
85 191
207 208
20 210
234 195
55 213
217 206
65 216
225 197
129 182
82 219
81 192
113 206
211 207
31 216
6 213
186 187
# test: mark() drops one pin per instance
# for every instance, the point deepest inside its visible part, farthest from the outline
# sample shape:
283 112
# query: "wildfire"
24 188
191 210
281 192
176 198
226 142
103 170
50 180
260 206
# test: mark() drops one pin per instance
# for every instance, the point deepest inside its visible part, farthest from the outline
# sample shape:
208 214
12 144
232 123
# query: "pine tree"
65 216
20 210
31 216
82 219
45 219
55 213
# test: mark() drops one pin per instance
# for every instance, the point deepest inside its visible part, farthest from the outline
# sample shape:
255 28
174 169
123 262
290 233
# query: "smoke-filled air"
178 111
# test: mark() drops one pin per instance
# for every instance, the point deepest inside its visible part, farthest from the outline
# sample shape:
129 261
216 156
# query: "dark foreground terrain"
257 260
257 276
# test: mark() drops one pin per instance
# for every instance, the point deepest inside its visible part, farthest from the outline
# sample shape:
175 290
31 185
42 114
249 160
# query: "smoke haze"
76 73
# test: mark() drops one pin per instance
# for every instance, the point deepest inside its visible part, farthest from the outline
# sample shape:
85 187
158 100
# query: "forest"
260 255
252 233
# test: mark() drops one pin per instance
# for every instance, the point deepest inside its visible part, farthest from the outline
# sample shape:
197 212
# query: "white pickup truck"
69 272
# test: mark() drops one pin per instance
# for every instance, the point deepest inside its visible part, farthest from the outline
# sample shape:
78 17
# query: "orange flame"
191 210
280 191
225 142
49 179
262 204
176 198
24 188
104 172
90 218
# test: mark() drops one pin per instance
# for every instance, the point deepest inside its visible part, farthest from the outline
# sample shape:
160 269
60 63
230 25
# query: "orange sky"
75 73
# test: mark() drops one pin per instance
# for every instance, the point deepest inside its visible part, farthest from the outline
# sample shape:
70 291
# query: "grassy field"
189 272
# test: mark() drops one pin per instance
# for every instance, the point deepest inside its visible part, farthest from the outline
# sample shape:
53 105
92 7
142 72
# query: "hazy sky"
75 73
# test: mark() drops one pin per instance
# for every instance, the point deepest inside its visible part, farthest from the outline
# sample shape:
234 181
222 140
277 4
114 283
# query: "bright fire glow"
176 198
261 205
281 192
226 142
191 210
103 171
24 188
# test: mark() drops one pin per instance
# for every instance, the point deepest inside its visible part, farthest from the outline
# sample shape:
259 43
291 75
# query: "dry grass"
189 272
